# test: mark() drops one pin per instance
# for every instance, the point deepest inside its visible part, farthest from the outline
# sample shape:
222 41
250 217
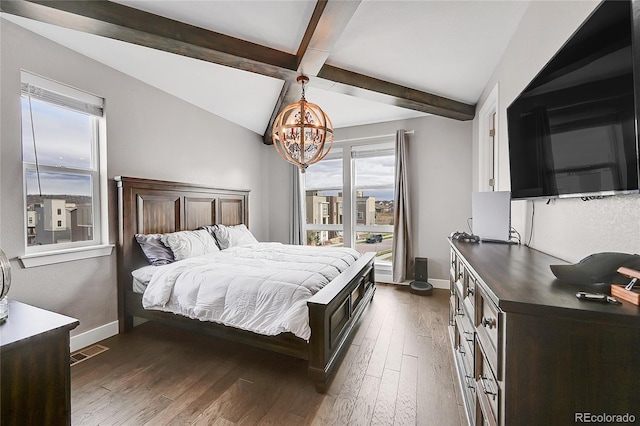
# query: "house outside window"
63 157
324 201
359 179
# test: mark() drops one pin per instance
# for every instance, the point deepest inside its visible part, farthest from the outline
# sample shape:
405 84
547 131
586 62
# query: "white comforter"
257 287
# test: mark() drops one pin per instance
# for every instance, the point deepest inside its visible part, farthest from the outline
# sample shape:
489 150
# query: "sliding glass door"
349 198
374 178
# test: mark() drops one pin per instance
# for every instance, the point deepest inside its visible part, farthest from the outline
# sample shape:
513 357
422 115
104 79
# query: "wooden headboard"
147 206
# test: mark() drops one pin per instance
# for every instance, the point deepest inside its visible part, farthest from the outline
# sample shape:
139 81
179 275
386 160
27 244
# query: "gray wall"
569 228
440 152
150 134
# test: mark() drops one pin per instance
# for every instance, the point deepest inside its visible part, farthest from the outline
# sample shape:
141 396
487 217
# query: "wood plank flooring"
398 371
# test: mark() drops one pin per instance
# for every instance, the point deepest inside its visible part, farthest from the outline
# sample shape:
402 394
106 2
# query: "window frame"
350 227
98 245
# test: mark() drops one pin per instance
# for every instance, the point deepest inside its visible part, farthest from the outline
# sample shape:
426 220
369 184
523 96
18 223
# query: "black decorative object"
421 285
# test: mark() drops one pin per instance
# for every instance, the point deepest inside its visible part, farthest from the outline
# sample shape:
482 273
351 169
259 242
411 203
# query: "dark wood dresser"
35 383
527 351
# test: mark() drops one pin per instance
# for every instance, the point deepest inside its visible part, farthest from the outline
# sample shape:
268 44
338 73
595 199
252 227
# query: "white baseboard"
439 283
95 335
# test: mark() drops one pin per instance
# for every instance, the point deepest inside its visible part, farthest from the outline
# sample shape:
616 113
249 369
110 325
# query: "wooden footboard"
333 313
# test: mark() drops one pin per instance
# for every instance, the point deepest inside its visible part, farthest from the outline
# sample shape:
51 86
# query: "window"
358 179
62 156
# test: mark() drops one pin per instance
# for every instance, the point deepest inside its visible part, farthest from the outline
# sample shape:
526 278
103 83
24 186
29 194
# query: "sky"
57 130
375 176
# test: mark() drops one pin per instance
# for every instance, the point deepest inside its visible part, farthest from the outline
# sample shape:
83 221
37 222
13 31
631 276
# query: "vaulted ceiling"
368 61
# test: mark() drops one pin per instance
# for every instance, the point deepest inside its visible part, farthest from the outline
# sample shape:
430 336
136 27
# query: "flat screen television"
572 131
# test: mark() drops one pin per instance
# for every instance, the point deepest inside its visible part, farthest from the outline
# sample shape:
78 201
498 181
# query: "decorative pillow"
231 236
156 252
211 229
185 244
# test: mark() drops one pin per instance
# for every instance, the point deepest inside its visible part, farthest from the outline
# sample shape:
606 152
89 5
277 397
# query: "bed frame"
150 206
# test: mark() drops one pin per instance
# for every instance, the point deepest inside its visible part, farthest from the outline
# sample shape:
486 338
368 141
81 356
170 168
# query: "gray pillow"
155 251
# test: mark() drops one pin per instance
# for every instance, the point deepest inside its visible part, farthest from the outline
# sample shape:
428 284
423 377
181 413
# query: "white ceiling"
447 48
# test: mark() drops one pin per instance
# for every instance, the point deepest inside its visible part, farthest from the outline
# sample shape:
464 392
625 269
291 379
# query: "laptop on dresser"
491 214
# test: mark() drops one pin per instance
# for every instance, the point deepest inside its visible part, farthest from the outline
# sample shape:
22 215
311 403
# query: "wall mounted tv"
572 131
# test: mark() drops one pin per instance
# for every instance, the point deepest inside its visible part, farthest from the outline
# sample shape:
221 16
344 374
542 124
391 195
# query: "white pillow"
231 236
144 274
186 244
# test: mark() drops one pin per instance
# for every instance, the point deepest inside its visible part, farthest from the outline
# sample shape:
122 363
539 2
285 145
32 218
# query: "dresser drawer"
466 343
471 290
487 326
487 390
464 361
453 266
467 331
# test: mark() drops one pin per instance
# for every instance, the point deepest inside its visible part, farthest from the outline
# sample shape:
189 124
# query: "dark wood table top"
26 321
520 280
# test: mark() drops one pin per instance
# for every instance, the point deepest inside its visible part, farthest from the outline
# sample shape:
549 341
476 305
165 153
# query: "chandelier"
302 132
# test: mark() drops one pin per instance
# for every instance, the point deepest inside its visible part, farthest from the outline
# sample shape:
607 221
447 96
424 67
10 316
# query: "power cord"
512 233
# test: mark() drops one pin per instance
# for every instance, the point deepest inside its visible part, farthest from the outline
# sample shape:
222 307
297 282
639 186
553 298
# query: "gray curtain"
296 232
402 232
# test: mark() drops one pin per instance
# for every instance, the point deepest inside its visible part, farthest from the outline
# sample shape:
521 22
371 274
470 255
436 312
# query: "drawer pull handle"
471 291
460 312
470 381
468 339
486 387
488 322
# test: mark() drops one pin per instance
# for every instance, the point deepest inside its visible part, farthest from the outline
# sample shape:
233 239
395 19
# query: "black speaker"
421 285
421 269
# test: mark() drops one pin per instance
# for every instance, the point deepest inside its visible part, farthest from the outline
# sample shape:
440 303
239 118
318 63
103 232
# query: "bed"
148 206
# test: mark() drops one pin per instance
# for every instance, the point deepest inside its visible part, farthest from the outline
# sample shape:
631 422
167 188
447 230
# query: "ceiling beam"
328 21
283 100
362 86
120 22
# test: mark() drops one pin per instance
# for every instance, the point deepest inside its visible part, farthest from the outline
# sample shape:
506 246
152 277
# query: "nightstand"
35 382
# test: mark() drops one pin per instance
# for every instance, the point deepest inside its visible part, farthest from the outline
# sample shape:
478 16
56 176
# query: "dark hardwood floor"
398 371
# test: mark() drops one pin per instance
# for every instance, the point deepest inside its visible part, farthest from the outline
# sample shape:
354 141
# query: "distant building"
327 210
56 221
55 215
365 210
324 210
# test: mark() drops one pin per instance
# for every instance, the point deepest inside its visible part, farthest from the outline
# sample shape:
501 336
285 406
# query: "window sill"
58 256
383 265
